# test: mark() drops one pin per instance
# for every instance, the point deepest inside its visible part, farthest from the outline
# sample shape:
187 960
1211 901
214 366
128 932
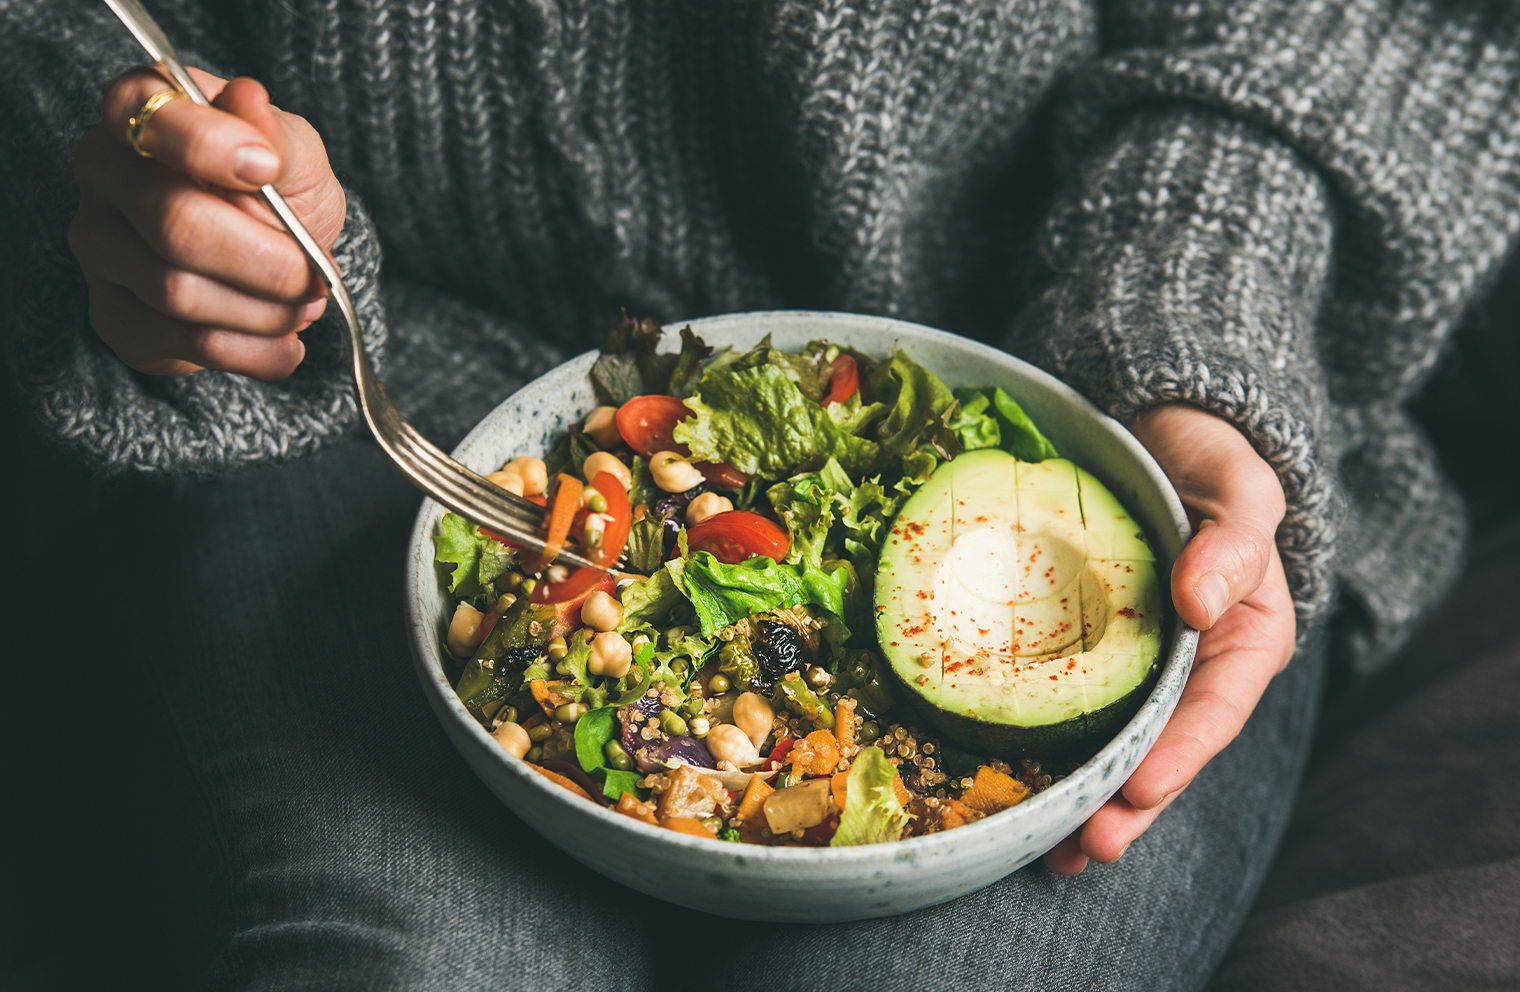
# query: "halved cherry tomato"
567 597
648 423
738 535
845 382
583 581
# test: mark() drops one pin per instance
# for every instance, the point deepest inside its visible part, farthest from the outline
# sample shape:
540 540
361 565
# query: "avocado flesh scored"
1019 605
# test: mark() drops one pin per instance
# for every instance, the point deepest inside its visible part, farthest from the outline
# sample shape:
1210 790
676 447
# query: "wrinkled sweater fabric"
1274 210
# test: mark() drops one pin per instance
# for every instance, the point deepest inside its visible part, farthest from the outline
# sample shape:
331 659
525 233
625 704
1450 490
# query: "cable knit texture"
1275 210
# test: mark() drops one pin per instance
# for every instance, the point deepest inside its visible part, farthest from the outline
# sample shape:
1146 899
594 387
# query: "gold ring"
136 124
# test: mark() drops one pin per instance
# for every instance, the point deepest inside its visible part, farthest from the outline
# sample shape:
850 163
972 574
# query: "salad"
723 677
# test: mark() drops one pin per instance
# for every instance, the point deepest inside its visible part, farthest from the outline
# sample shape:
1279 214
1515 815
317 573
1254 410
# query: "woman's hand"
1229 583
186 266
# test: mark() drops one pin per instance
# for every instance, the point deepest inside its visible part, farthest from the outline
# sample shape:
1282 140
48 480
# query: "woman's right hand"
186 266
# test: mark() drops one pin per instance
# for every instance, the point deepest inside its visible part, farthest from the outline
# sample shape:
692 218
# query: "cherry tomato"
738 535
647 424
845 382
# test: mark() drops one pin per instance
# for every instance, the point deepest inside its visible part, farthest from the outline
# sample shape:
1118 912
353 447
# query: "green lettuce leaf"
759 421
477 560
723 594
1017 434
972 423
916 400
630 363
647 604
645 551
569 454
872 814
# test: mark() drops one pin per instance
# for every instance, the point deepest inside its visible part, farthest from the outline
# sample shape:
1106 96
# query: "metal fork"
424 465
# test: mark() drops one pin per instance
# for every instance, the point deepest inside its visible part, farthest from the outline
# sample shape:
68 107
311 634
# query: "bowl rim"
1177 663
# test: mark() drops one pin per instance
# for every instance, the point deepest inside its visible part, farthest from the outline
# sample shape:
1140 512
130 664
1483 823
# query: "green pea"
679 666
570 712
712 823
869 731
616 756
595 501
535 754
718 684
539 732
693 706
671 723
557 649
528 585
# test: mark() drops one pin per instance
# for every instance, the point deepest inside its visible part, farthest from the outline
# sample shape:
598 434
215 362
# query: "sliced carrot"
839 788
687 825
992 791
754 795
560 513
561 780
901 791
844 722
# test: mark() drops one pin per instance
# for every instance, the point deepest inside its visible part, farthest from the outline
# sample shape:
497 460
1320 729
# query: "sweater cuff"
201 424
1188 261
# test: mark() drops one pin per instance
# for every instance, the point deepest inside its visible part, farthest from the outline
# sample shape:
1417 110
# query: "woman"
1244 229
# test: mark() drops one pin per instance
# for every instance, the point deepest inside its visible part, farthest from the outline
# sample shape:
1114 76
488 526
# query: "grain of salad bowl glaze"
808 885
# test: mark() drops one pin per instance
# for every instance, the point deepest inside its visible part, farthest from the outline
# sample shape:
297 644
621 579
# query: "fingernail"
314 309
1215 593
255 165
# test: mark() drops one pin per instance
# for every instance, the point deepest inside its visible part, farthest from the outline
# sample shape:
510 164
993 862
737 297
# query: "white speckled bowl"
800 884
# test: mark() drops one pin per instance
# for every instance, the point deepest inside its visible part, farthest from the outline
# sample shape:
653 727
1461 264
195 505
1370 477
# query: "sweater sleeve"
1277 212
56 59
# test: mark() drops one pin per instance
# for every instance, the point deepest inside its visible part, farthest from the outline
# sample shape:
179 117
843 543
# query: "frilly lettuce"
477 559
872 814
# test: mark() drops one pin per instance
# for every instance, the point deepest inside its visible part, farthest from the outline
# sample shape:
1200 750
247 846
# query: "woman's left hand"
1229 583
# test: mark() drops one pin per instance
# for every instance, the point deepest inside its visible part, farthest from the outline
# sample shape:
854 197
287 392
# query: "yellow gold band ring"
136 124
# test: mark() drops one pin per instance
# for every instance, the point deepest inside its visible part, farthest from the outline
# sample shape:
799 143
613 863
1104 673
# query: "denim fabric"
304 823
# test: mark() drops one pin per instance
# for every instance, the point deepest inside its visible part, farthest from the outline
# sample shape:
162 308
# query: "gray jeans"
303 822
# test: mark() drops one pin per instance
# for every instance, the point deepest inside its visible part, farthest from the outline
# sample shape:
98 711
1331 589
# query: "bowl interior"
801 884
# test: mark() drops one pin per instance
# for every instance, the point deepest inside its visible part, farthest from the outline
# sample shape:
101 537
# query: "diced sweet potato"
561 780
630 805
686 825
992 791
754 795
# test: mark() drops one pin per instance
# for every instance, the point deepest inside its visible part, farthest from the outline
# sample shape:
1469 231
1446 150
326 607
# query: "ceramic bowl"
800 884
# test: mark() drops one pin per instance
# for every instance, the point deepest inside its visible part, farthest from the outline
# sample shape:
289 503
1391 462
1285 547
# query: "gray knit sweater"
1275 210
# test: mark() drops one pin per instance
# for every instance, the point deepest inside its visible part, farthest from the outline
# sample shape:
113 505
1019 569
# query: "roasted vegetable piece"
794 695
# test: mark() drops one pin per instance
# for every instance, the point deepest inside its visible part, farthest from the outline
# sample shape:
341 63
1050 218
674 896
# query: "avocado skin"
1080 737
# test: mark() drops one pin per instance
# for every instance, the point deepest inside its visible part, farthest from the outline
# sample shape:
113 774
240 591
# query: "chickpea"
601 424
601 612
532 471
510 481
727 742
707 505
753 714
601 461
611 655
464 630
673 473
513 738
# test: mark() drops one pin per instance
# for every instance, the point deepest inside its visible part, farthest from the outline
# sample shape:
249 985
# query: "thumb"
1233 498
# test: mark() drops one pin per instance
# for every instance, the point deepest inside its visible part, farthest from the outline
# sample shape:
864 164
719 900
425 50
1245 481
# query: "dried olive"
779 649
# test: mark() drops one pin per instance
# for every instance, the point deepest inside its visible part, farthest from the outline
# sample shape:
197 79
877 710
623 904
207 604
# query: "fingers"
1233 498
152 343
109 248
210 145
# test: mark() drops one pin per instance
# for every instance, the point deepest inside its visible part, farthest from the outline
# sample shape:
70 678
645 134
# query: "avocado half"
1018 605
